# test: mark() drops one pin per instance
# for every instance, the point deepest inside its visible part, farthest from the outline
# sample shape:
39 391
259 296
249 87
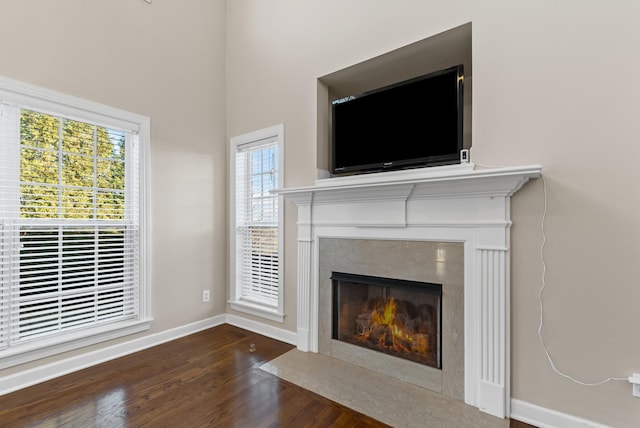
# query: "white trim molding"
56 369
276 333
15 95
30 352
453 203
242 297
546 418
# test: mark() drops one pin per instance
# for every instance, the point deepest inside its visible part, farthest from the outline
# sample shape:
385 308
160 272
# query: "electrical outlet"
206 295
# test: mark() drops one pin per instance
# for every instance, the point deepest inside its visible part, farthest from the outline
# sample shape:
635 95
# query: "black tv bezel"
425 161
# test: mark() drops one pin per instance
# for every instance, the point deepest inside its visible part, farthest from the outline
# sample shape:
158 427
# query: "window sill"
27 352
258 310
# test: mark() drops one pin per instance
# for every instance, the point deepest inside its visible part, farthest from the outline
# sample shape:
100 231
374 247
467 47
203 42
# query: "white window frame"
274 313
17 93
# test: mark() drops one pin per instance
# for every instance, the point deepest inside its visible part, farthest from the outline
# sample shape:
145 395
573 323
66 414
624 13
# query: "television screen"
413 123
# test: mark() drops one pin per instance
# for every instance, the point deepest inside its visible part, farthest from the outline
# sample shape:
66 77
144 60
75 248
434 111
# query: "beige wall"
554 83
165 61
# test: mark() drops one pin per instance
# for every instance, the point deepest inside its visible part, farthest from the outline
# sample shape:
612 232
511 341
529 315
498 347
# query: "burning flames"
382 327
386 315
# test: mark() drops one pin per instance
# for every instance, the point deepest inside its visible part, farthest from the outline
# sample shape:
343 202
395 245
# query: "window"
72 230
256 238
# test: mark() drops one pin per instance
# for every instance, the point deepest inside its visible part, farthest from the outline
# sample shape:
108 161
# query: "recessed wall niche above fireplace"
423 57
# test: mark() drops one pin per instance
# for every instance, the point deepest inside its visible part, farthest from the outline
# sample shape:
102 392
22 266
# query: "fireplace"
396 317
459 205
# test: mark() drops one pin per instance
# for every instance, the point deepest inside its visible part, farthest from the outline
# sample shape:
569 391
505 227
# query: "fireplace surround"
450 204
406 260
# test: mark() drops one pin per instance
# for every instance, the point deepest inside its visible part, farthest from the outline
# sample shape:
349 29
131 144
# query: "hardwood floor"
208 379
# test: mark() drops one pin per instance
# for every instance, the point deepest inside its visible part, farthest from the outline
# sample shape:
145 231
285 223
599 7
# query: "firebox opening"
397 317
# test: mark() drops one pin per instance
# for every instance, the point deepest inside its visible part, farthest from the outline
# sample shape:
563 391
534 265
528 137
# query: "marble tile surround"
426 261
397 403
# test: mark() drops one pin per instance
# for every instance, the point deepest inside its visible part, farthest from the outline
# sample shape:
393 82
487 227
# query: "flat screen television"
414 123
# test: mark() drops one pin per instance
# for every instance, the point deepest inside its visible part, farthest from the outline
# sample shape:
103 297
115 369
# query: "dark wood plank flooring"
208 379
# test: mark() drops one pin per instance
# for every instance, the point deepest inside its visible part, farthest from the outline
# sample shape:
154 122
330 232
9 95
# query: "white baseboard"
46 372
546 418
273 332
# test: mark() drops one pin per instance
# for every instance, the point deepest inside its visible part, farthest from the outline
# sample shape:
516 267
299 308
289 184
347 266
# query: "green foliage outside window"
70 169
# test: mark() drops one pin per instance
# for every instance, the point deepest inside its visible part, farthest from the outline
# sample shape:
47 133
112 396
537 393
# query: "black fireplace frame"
432 288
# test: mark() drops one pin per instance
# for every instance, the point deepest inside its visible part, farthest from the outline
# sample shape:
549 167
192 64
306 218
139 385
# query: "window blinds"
257 261
69 224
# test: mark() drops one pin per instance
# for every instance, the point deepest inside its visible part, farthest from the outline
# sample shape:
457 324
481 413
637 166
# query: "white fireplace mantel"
458 203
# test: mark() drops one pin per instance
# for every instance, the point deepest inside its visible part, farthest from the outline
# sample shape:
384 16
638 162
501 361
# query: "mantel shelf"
464 180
